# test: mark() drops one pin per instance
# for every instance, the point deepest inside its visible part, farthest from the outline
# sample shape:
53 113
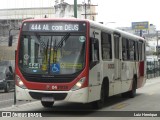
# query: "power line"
85 14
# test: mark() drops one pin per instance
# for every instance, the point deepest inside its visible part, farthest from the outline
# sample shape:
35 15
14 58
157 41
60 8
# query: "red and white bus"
77 60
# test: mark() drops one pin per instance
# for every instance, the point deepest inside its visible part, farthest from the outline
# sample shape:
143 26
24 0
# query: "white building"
12 19
24 13
65 10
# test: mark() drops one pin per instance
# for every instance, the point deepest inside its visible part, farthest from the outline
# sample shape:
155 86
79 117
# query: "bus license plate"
47 99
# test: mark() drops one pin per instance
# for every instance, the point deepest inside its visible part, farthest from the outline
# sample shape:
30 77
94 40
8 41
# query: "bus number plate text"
47 99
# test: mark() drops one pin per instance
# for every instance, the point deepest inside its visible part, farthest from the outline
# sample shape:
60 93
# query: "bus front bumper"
79 96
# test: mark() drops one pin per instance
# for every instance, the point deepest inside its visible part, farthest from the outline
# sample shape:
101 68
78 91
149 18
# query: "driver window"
94 50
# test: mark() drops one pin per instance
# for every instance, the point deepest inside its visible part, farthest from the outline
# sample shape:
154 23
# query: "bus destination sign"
54 26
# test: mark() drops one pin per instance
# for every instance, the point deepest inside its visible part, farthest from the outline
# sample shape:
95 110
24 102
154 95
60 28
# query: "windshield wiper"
62 40
54 52
49 60
55 47
47 50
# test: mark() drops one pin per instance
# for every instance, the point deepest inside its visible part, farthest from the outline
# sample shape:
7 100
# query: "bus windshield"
52 53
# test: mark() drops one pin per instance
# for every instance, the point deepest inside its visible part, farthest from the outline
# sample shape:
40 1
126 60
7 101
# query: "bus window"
106 46
136 51
41 52
125 49
131 50
94 50
140 50
116 46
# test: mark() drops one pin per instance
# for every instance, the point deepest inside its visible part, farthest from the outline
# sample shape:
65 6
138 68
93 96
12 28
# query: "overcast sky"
121 12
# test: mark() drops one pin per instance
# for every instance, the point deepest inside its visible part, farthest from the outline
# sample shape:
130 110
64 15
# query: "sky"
115 13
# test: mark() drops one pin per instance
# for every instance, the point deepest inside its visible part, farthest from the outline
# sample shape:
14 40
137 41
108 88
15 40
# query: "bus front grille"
49 79
56 96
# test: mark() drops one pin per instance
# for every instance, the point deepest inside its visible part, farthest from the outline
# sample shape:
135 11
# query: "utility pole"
75 8
85 11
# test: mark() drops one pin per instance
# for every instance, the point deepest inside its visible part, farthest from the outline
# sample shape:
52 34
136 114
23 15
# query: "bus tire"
104 94
131 93
47 104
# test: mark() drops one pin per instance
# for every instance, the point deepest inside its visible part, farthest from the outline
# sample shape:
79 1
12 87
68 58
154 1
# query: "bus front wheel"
47 104
131 93
103 96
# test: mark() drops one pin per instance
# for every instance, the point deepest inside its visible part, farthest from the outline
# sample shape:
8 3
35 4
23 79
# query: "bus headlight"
79 84
19 82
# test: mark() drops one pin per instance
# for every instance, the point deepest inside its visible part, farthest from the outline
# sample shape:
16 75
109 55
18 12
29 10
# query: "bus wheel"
131 93
47 104
100 103
7 88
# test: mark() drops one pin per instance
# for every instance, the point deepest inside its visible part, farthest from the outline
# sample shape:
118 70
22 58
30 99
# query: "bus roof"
114 30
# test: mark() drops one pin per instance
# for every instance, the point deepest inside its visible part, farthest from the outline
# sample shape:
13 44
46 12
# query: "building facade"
84 11
11 20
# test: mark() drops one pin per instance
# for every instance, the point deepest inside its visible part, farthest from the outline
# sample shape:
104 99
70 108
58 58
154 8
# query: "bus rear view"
52 61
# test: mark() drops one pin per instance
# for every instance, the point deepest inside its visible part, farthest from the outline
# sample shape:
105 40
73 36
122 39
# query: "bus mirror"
10 40
10 69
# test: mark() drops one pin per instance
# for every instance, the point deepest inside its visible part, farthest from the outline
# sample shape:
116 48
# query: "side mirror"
10 40
10 69
8 75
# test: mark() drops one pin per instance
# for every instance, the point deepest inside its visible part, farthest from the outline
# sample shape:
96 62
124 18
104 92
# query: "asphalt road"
147 99
6 99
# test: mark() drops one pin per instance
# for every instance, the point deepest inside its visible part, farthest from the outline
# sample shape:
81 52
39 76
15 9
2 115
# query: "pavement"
29 105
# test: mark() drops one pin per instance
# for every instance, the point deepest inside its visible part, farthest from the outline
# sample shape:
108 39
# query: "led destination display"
54 26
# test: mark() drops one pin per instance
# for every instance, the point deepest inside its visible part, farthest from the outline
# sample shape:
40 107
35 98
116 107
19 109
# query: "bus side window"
124 49
106 46
136 51
131 50
94 52
116 46
140 50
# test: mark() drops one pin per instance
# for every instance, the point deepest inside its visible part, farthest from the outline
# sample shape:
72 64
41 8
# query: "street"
147 99
7 99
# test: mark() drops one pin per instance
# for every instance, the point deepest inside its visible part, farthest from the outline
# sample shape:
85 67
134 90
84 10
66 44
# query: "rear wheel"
47 104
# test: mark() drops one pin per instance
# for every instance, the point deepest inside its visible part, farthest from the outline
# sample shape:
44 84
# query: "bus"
76 60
